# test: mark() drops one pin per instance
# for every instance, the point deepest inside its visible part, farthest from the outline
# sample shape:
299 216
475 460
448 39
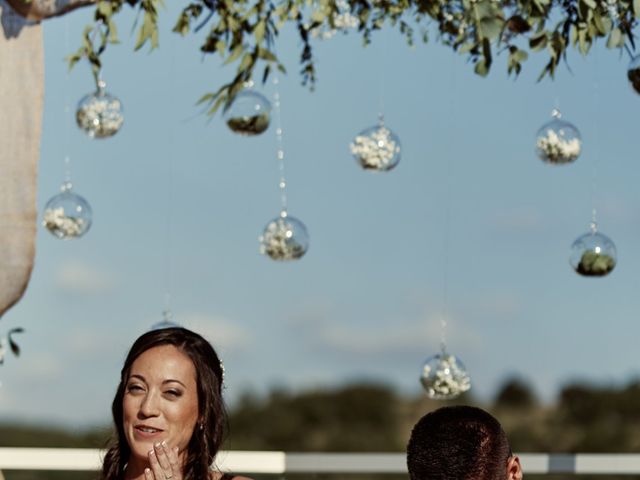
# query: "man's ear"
514 470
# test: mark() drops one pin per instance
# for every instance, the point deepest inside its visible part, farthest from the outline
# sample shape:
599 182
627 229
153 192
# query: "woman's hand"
164 463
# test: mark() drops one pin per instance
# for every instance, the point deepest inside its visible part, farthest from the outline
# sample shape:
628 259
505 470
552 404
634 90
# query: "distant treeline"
374 418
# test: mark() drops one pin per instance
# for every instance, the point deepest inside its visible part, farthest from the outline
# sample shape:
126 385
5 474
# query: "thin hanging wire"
67 113
381 76
277 110
596 147
444 320
167 313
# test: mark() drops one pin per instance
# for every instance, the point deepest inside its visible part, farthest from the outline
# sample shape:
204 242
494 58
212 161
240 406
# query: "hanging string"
167 313
67 112
447 214
382 76
277 109
596 148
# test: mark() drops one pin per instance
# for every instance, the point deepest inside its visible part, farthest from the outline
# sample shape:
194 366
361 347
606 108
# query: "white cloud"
222 333
79 277
400 337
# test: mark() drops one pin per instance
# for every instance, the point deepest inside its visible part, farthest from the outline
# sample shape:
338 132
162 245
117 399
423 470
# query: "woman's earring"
201 426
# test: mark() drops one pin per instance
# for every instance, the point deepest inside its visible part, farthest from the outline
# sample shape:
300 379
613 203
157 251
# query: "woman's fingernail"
164 444
151 452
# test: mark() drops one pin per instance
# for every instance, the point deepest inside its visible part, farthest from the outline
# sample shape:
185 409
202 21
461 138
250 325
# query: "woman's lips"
145 432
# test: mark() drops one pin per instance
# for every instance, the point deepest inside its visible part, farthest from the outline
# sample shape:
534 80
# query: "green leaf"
12 344
590 3
481 68
148 32
259 30
538 41
235 54
603 24
104 9
318 16
207 97
265 54
246 63
216 105
616 39
182 26
490 27
113 32
584 42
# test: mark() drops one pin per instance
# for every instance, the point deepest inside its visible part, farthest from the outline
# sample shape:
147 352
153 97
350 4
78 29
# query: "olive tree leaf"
12 344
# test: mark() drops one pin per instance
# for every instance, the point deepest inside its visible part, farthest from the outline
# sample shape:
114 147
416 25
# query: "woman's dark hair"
458 443
206 441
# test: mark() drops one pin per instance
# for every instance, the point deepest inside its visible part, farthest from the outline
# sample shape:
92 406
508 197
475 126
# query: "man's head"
460 443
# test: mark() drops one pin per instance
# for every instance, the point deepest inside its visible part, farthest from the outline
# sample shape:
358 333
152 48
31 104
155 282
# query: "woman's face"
160 401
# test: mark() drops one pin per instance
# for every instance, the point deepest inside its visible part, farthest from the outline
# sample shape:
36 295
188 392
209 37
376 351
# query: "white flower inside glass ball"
558 142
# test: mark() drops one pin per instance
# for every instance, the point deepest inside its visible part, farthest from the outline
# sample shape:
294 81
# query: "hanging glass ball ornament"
249 114
67 215
558 141
284 238
633 73
166 322
376 148
100 114
444 376
593 254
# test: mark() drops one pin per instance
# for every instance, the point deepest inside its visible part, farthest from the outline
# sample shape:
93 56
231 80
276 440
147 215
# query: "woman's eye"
134 388
173 393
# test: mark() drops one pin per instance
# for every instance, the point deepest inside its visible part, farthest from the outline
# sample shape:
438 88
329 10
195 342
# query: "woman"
168 411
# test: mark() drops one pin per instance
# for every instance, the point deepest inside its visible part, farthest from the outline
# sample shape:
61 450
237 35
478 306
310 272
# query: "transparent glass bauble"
249 114
593 254
284 238
67 215
100 114
166 322
376 148
444 376
558 141
633 73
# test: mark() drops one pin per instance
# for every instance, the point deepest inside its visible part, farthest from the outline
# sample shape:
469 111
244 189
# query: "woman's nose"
149 406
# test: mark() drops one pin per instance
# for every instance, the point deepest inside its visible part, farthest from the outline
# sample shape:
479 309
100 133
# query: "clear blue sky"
365 301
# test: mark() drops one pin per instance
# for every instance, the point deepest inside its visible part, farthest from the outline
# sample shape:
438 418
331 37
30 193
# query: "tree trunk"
21 100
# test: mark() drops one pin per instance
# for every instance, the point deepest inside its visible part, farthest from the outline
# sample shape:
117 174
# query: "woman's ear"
514 470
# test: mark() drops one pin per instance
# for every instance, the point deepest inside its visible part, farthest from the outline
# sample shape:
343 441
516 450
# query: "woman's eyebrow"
174 381
138 376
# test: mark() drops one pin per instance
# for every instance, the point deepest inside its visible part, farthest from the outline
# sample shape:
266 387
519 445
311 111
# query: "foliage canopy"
244 32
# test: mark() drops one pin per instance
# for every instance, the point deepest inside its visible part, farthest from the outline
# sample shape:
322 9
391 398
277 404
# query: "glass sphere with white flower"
100 114
558 142
376 148
444 376
67 215
284 238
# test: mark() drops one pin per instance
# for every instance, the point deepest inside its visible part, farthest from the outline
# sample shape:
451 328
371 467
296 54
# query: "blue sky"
365 302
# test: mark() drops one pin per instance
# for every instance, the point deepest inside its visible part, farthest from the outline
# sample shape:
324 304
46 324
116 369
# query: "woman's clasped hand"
164 463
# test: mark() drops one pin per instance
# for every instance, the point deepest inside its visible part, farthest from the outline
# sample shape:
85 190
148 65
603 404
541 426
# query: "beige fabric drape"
41 9
21 100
